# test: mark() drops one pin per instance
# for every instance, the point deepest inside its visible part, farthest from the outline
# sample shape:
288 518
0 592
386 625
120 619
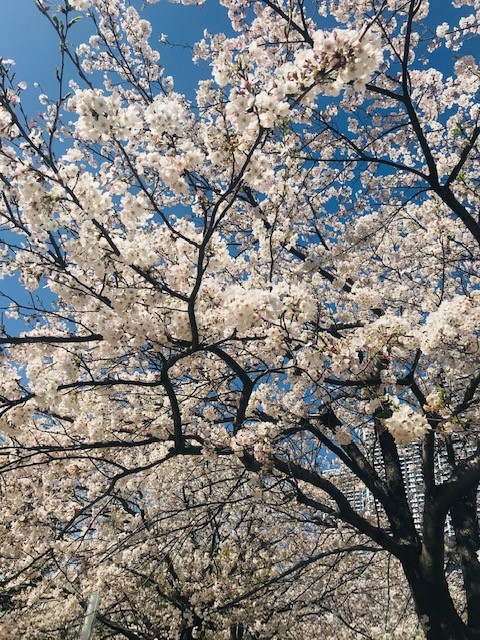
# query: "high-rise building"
410 456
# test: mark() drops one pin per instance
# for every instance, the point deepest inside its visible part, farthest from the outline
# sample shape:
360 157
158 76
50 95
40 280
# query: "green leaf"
74 20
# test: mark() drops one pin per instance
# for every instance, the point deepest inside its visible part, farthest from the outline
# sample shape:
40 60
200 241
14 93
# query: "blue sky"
28 38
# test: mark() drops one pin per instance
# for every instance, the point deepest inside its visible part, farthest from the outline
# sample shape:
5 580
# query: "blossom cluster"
406 425
336 59
8 129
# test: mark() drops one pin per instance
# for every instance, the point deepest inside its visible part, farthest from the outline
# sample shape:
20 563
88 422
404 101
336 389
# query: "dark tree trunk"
434 605
465 524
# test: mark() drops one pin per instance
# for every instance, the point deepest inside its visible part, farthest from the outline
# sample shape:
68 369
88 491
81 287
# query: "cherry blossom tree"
282 276
192 555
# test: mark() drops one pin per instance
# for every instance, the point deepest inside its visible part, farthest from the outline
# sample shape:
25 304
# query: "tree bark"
435 608
465 524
